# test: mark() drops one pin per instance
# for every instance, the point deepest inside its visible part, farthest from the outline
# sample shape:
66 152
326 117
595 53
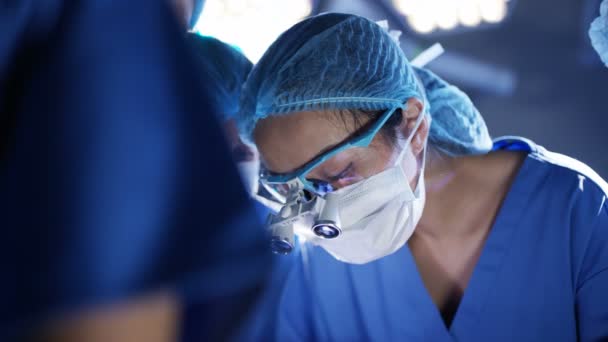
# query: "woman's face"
288 142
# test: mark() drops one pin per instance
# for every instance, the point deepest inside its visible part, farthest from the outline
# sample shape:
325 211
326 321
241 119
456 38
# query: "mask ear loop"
410 137
422 168
421 117
437 51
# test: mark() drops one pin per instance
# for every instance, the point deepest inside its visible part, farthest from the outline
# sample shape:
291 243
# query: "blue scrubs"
542 274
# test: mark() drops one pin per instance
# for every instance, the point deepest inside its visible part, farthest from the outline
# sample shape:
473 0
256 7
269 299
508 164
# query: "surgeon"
425 229
598 32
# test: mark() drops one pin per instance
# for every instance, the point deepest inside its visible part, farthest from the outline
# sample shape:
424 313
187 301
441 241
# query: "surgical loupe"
305 210
327 225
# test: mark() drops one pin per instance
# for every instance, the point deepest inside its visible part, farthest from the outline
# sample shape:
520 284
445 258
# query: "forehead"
287 142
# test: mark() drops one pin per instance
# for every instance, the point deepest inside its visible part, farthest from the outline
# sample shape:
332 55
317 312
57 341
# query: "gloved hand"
598 32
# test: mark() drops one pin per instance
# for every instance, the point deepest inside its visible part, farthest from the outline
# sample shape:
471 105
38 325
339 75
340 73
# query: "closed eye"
342 174
331 183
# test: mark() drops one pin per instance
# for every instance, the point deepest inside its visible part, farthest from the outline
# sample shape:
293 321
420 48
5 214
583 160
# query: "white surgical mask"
377 215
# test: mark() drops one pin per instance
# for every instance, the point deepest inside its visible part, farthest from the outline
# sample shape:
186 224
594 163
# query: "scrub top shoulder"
542 274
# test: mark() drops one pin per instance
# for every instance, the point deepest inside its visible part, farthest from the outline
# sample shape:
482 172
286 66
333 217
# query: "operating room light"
468 13
447 18
493 11
423 24
426 16
251 25
424 20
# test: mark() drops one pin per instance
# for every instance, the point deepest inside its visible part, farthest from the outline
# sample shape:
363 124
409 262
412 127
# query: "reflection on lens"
280 246
282 189
326 230
321 187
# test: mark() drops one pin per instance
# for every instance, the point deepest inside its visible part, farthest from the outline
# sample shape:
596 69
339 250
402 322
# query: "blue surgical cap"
224 68
457 127
343 61
599 33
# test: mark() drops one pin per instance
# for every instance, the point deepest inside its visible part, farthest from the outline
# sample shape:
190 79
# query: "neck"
453 196
464 194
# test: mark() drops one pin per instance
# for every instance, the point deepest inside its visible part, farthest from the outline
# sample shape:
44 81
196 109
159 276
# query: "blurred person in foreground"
110 232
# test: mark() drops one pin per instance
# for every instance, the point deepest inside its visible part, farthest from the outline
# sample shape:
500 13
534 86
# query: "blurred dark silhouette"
113 186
